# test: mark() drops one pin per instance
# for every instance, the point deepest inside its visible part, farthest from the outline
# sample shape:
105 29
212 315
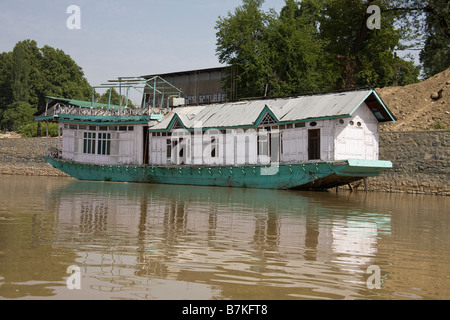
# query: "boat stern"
363 168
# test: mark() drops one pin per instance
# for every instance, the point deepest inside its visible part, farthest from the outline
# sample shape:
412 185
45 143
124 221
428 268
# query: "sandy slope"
414 108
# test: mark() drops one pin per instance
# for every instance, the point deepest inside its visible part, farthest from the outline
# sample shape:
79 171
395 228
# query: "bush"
30 130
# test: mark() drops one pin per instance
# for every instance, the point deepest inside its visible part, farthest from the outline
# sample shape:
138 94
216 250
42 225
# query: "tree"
426 28
366 57
435 54
29 73
241 44
5 83
18 114
62 77
296 51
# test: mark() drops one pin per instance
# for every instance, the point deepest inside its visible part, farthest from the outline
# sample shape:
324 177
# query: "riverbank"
420 161
26 156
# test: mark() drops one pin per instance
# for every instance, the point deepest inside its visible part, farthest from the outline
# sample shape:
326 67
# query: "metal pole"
120 92
59 140
109 99
126 100
154 92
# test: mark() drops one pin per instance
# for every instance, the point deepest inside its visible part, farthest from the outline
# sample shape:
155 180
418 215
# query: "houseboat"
312 142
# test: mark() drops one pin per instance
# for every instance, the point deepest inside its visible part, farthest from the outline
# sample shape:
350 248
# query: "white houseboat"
306 142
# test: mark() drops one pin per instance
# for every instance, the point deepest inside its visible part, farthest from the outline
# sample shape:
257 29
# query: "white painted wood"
126 147
340 139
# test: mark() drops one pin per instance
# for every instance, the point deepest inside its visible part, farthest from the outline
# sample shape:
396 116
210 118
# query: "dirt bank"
420 106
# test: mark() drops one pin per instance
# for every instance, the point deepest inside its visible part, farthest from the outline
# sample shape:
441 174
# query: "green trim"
45 118
104 123
384 106
119 119
265 110
381 103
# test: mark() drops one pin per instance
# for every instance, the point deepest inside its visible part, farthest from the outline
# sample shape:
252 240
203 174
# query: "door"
145 146
314 144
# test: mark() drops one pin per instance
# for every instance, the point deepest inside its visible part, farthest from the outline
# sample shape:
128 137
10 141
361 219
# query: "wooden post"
365 185
46 134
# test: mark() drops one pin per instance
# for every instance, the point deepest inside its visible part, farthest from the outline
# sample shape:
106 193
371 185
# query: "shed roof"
285 110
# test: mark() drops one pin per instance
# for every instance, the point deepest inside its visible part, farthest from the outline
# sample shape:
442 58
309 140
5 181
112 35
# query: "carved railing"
63 109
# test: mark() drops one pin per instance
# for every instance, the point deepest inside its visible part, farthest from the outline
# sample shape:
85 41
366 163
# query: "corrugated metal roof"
247 113
86 104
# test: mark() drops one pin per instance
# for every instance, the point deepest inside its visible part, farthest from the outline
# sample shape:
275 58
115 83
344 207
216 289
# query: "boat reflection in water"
158 241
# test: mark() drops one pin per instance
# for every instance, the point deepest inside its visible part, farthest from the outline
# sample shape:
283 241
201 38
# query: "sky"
122 38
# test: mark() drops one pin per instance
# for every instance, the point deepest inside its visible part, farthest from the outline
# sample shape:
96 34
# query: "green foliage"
242 43
28 74
435 55
17 114
296 50
115 98
30 130
426 27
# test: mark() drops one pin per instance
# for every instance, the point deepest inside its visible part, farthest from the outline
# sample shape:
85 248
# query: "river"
143 241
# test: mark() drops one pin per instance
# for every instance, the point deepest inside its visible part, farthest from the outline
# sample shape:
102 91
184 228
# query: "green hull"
309 175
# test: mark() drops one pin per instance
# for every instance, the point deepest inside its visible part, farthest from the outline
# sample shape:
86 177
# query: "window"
89 142
123 128
300 125
263 143
268 119
177 125
104 144
169 148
